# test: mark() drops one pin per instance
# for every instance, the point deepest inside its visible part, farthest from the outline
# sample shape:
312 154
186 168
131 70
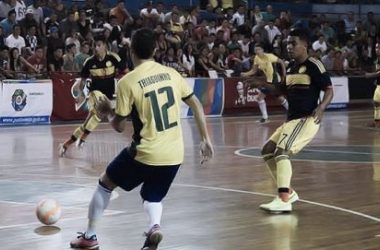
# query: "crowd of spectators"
50 37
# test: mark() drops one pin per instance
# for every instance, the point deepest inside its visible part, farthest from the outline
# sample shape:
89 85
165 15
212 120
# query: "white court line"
107 213
304 201
237 152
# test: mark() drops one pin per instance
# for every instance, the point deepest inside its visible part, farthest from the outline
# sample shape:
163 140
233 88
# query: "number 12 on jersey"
160 113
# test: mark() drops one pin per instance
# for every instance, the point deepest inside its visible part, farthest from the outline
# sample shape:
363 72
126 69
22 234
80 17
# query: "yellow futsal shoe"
277 206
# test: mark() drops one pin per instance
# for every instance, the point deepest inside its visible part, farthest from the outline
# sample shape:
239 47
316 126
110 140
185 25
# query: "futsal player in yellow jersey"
306 77
267 62
102 68
152 95
376 96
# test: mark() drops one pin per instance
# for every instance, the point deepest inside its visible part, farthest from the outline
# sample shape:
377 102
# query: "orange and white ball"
48 211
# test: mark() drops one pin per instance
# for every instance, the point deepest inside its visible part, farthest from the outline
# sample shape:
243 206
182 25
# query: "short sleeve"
85 73
118 62
320 75
124 98
272 58
186 91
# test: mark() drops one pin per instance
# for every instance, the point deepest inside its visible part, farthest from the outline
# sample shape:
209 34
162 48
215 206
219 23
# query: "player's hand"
317 114
206 151
103 106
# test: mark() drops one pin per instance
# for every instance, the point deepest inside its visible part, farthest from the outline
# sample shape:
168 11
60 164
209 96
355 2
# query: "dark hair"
259 45
100 38
69 46
301 33
11 59
186 51
143 43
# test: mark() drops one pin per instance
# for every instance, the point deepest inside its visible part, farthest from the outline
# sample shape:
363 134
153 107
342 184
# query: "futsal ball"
48 211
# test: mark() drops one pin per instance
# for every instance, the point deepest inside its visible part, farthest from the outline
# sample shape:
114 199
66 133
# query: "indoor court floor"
210 207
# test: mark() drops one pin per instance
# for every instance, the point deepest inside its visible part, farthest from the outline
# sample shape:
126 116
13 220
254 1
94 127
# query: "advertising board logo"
19 100
245 94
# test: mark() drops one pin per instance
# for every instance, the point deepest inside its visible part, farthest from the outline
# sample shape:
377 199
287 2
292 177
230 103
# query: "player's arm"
283 68
104 107
207 150
251 72
326 85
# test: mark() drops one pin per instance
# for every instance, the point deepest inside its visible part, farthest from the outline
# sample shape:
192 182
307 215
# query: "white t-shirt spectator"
238 18
272 32
13 42
38 13
20 9
189 65
319 46
144 12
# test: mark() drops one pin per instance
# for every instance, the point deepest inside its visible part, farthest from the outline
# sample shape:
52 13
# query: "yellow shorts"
376 95
294 135
92 98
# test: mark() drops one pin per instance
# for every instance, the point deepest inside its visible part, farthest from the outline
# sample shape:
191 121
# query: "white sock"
285 104
154 211
98 204
263 108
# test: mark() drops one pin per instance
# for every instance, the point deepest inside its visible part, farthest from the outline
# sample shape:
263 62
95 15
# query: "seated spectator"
31 41
97 26
15 40
202 64
235 62
80 58
188 60
320 44
328 60
83 24
60 9
256 15
68 58
55 62
272 31
74 38
17 64
234 43
2 38
50 22
225 27
4 57
53 41
171 60
67 25
366 62
214 57
201 31
211 41
122 15
149 15
38 61
27 22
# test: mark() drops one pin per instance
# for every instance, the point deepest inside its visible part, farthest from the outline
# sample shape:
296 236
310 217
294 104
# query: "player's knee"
280 151
151 197
106 182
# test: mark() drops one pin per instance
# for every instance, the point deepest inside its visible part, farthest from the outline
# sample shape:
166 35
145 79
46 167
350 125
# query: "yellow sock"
284 171
92 123
377 113
270 162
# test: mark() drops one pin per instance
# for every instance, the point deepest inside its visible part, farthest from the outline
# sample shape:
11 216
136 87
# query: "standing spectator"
327 31
17 64
27 22
38 13
349 23
14 40
61 11
225 27
83 24
256 15
268 15
149 15
67 25
239 17
159 9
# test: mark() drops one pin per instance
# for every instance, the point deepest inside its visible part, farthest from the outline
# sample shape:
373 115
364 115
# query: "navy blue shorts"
128 174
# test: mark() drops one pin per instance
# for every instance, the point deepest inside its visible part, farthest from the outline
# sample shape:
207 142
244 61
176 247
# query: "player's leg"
263 106
376 106
122 172
267 153
157 182
281 99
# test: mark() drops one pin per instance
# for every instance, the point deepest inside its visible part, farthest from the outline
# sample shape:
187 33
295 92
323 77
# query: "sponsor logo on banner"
19 100
245 94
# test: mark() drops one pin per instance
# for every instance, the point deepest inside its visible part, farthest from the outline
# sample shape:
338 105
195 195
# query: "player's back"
154 94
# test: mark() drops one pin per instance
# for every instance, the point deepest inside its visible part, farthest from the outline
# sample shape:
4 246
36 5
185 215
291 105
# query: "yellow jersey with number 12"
152 95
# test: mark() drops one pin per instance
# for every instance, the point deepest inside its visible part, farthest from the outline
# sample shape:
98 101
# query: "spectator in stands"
201 31
4 57
8 23
214 57
202 64
245 30
277 46
55 62
159 9
74 38
235 62
31 41
17 64
53 41
161 43
370 46
272 30
239 17
149 15
20 9
68 25
122 15
225 27
107 36
284 21
188 60
38 61
327 31
68 58
193 16
185 17
234 43
48 8
256 15
373 33
211 41
83 24
365 62
50 22
211 27
320 44
349 22
168 16
38 13
97 26
369 20
60 9
268 15
328 59
80 58
260 28
208 14
5 7
14 40
171 60
27 22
